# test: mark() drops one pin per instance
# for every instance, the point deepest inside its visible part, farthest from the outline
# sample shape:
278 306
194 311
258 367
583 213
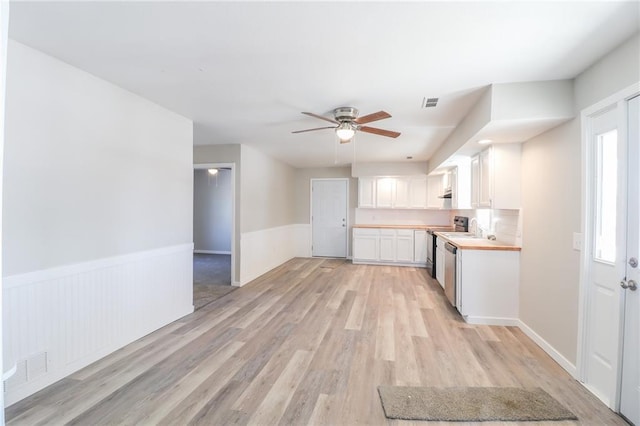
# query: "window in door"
606 189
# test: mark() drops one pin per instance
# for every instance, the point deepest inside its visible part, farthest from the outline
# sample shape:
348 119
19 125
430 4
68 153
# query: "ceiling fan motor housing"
345 114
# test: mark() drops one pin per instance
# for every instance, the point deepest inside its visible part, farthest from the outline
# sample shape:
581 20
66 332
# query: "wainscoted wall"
60 320
265 249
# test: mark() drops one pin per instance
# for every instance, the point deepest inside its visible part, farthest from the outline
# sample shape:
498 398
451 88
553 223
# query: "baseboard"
211 252
368 262
492 321
550 350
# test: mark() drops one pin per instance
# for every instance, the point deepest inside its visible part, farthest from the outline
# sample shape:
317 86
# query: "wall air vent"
429 102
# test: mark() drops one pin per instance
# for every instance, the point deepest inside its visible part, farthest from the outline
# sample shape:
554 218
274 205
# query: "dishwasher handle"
450 248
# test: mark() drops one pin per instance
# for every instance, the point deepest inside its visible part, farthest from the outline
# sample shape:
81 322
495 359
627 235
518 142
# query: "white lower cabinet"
487 283
366 244
419 246
387 246
404 245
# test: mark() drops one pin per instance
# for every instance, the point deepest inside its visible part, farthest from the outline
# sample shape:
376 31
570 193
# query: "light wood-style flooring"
307 343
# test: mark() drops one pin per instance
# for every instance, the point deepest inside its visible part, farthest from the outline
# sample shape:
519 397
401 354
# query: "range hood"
447 194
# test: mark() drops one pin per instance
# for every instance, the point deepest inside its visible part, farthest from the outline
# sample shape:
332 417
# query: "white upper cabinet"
418 192
367 192
495 177
486 168
385 192
408 192
435 188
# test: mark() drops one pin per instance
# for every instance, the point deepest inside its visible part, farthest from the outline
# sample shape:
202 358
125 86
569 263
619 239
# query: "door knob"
631 285
633 262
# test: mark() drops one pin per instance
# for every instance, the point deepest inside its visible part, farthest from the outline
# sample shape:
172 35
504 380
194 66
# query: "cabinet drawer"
404 232
387 232
357 232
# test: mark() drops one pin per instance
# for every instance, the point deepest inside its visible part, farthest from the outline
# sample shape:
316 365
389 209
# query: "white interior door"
329 209
630 388
606 225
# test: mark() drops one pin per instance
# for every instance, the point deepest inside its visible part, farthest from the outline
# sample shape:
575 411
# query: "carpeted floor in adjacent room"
211 278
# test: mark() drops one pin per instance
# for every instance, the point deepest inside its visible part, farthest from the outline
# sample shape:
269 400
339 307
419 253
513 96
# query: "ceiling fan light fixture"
345 131
213 171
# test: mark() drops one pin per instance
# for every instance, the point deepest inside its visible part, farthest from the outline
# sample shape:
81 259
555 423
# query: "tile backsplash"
506 225
402 217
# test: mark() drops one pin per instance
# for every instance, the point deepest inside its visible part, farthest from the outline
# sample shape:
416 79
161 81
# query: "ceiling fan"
348 123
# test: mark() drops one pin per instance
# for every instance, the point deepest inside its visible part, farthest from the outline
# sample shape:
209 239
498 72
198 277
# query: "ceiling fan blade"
311 130
380 115
330 120
380 132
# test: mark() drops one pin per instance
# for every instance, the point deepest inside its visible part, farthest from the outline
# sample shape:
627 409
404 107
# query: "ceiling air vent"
429 102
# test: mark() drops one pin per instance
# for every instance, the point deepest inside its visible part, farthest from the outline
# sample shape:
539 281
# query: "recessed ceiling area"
243 71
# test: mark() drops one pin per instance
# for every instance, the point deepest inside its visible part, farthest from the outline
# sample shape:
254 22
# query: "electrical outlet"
577 241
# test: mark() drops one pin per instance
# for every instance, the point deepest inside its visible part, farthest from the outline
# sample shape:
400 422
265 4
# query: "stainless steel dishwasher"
450 272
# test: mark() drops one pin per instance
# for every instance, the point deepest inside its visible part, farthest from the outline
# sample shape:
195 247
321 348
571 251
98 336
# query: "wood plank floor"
307 343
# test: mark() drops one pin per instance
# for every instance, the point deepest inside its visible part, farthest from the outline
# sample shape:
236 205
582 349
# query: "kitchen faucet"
473 223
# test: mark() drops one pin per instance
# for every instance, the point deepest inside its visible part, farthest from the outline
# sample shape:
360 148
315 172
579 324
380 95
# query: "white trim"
383 263
507 322
59 272
211 252
550 350
235 258
346 180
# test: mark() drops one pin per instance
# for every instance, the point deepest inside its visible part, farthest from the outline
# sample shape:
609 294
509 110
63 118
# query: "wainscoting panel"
60 320
263 250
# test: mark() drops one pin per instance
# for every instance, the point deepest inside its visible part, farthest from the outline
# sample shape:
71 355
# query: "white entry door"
610 308
329 209
630 389
604 250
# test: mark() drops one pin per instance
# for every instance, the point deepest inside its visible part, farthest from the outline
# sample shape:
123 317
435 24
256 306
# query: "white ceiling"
243 71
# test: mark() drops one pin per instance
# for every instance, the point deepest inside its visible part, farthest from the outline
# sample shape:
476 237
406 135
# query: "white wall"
551 173
91 171
212 211
267 215
267 191
97 209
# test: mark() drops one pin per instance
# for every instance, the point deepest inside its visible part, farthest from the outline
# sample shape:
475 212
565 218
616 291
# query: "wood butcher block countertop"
478 243
432 227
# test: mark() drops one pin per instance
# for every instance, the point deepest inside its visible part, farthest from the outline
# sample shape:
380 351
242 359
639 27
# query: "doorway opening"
213 232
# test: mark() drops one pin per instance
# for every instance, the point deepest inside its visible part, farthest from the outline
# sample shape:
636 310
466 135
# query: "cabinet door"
388 245
401 193
484 199
475 181
365 244
418 192
453 182
420 246
404 245
367 192
385 189
434 190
